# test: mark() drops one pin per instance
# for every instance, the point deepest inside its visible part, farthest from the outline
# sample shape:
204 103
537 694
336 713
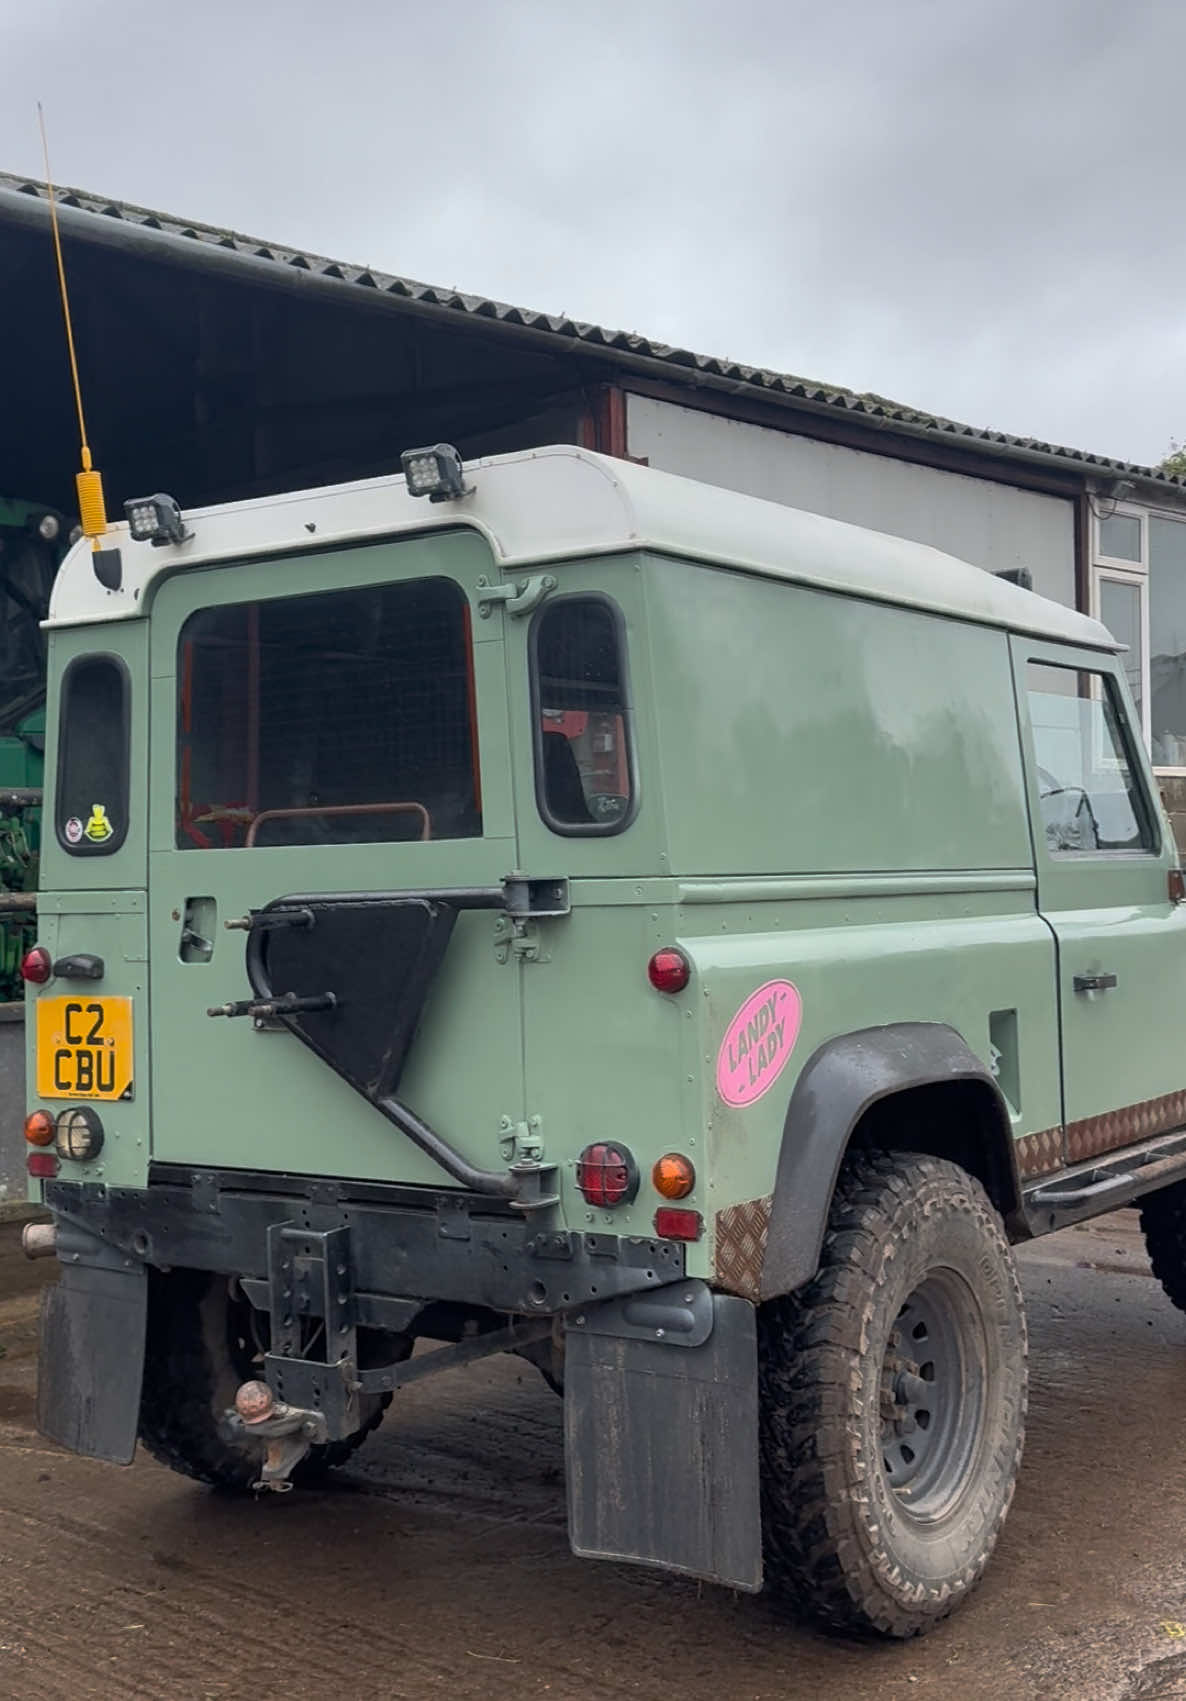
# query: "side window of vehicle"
91 808
1090 798
584 769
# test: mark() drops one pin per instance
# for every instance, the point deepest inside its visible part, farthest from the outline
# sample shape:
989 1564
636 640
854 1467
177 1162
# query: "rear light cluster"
76 1134
607 1175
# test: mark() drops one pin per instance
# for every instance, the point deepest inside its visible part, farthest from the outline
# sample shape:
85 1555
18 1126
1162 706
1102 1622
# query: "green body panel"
833 793
804 732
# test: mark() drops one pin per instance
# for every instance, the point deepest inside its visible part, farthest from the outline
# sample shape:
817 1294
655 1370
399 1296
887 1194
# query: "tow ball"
287 1432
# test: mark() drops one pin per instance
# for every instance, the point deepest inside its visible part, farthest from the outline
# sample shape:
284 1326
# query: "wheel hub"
932 1396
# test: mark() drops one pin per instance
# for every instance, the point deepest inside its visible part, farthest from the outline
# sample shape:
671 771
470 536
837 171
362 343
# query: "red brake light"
607 1174
669 970
43 1164
37 965
671 1223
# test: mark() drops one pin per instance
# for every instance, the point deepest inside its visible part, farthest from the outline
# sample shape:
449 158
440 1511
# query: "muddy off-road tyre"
1163 1223
200 1347
893 1392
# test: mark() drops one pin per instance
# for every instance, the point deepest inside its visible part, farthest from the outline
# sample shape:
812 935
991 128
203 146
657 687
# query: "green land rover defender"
548 906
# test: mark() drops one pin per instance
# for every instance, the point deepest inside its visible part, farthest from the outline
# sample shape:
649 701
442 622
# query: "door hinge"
516 939
516 598
521 1142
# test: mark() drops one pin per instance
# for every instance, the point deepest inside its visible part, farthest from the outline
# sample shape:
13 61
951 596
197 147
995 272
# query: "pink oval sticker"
758 1042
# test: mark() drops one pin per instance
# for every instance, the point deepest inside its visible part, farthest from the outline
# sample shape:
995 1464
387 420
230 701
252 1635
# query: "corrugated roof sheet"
629 348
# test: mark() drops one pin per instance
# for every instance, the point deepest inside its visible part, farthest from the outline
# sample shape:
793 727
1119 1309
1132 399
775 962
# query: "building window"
1139 592
1167 640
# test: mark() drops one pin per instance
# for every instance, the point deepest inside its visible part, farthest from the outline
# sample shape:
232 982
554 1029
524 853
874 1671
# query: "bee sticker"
98 828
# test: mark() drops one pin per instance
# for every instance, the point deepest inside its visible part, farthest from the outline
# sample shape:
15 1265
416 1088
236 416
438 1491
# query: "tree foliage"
1174 463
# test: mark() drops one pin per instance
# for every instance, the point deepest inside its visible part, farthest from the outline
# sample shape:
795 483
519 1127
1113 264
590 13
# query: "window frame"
581 829
1105 567
108 847
1120 510
1137 579
1149 816
274 597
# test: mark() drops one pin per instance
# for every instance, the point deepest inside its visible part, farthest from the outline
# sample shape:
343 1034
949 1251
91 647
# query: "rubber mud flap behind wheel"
661 1433
92 1360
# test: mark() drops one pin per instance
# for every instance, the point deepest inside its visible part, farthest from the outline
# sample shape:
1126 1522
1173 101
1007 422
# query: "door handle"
1093 983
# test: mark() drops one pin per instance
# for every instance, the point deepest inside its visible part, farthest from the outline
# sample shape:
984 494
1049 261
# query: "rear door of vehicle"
331 723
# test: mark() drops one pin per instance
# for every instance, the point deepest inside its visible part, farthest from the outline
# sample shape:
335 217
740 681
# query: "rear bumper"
653 1382
402 1243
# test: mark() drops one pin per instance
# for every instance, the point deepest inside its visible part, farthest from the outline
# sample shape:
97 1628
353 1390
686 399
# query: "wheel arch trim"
838 1085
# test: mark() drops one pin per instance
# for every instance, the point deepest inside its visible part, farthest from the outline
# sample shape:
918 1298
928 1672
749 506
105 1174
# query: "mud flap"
92 1355
661 1433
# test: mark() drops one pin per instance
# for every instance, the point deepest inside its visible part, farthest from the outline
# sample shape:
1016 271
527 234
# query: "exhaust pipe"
39 1240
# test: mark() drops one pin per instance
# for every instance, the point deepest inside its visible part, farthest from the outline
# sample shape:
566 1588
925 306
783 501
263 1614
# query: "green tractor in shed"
33 539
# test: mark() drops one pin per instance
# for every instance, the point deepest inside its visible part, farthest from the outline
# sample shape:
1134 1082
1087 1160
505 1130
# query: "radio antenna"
92 510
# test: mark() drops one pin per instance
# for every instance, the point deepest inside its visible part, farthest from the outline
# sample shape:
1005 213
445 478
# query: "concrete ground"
438 1565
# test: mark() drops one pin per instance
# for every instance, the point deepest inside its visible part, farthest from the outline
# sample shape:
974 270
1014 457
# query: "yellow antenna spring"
92 510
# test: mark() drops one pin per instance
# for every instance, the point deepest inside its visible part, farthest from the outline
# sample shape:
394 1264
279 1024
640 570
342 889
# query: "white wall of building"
991 525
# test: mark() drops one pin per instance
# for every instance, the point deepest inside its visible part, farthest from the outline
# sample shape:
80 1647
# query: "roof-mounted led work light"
436 472
156 520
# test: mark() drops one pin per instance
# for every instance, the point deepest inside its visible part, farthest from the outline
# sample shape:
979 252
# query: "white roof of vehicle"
547 505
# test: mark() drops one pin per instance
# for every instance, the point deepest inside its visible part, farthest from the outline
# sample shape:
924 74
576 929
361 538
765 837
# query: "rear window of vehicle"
346 717
91 806
584 771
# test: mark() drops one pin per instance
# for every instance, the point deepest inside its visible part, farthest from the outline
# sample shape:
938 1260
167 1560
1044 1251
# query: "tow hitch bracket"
287 1432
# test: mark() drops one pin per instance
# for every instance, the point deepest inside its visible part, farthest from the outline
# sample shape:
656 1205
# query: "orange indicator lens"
674 1176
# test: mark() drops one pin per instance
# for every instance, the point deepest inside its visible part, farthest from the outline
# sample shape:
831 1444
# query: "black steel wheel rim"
933 1396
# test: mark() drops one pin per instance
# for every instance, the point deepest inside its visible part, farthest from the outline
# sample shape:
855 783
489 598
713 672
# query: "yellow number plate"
84 1048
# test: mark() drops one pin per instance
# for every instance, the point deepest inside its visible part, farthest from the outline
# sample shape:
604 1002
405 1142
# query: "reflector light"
671 1223
39 1128
607 1175
37 965
669 970
42 1164
673 1176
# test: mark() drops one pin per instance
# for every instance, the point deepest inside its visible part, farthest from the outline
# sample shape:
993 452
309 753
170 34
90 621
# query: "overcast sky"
973 208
